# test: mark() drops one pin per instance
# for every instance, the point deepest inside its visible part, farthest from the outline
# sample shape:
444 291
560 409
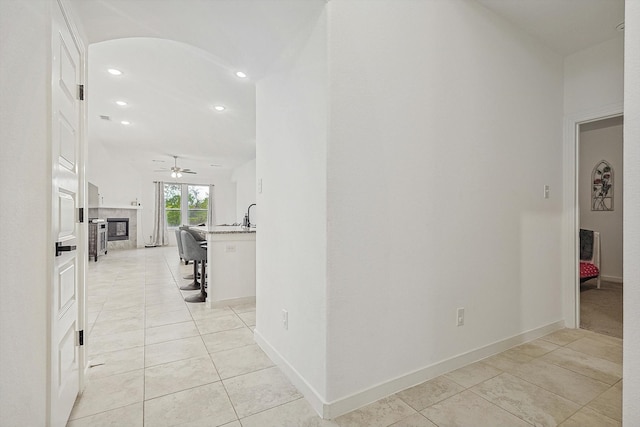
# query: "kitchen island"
231 264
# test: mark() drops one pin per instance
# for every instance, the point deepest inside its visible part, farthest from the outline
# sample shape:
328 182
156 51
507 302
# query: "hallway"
158 361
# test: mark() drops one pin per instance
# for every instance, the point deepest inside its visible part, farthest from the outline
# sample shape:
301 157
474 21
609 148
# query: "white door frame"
571 220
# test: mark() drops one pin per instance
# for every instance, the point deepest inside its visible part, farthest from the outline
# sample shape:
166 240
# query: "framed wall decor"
602 187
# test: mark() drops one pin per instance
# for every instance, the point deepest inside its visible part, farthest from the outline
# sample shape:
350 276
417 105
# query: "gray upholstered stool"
180 251
194 251
195 285
200 239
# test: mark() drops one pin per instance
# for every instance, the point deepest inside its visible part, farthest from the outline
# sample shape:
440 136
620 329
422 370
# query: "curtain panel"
160 236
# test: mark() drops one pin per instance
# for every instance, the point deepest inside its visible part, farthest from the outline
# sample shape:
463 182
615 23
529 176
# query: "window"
198 196
172 202
186 204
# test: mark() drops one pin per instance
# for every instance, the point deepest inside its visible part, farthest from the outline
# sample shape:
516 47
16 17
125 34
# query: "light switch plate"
460 316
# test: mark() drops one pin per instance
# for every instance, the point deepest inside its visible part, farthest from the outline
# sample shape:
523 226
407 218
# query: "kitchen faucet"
247 217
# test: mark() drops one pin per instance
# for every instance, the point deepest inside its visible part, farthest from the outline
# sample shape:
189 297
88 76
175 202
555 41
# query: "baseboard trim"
614 279
310 394
357 400
329 410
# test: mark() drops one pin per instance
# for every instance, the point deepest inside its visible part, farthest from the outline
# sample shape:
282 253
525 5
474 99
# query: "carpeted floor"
601 309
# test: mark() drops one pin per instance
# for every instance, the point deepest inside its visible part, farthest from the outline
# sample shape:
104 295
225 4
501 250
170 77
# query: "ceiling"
170 89
566 26
179 59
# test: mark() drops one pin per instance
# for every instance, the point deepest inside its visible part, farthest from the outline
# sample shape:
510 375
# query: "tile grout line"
580 406
500 407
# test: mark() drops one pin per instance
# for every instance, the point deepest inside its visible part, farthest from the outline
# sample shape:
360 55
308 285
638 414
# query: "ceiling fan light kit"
176 171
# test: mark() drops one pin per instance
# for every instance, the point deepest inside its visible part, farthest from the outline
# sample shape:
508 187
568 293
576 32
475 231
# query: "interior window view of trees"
186 201
172 198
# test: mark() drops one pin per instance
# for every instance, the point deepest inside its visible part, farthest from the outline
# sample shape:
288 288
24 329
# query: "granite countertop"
225 229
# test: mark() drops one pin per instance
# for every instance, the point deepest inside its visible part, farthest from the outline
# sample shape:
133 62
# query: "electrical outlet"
285 319
230 248
260 186
460 316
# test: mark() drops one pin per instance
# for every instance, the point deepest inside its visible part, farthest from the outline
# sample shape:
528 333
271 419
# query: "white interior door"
65 155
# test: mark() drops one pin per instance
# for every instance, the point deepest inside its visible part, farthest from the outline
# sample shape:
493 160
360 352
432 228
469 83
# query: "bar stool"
195 285
180 251
194 251
195 275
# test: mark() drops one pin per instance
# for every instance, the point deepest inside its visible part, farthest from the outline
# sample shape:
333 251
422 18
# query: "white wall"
118 183
245 178
445 123
603 141
291 158
594 76
225 197
631 374
25 174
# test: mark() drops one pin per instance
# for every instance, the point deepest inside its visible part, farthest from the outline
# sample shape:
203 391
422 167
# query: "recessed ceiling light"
114 72
219 107
125 122
241 74
121 103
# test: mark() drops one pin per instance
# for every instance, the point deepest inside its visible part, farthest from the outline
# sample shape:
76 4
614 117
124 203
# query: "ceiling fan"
176 172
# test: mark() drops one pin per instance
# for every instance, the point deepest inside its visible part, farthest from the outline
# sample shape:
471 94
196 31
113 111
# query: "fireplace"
115 236
118 229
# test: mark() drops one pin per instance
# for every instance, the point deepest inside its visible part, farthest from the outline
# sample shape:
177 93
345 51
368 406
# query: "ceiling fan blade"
184 171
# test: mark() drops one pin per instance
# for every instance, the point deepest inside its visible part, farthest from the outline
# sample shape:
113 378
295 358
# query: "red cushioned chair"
589 256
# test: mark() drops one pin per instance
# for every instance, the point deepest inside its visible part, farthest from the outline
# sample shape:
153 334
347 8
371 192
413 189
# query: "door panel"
67 139
67 225
68 70
67 289
67 355
65 149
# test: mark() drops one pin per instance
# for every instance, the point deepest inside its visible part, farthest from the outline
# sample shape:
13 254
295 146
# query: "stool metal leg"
193 286
202 296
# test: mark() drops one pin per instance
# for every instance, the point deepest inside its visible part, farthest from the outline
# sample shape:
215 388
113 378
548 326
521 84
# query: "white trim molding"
310 393
570 221
330 410
613 279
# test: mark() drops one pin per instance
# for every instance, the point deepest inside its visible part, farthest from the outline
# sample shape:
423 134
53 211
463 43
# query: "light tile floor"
159 361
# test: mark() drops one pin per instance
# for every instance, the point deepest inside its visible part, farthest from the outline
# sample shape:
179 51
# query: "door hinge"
81 337
81 215
81 92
